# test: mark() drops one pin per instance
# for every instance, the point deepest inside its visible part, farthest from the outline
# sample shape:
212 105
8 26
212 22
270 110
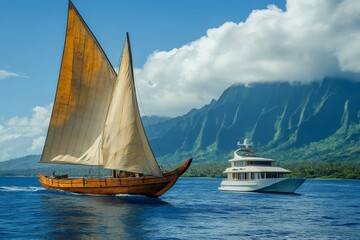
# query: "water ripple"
192 209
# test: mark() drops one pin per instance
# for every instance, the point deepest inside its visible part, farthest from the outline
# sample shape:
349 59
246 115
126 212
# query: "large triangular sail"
125 145
83 95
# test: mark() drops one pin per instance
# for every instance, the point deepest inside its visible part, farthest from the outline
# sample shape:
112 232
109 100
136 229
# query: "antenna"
245 144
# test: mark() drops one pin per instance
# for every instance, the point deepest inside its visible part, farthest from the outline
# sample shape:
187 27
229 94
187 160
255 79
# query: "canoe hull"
150 186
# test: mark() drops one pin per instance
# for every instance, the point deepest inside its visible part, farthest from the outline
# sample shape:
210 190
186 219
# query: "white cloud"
37 143
6 74
21 136
311 39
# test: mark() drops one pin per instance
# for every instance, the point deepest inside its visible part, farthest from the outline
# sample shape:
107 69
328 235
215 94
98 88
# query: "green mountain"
318 121
24 166
299 125
30 166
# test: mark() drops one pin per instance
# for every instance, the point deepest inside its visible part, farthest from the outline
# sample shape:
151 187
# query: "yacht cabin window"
258 163
238 164
250 163
253 176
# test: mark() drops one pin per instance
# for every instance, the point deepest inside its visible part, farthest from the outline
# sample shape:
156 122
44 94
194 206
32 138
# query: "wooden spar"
151 186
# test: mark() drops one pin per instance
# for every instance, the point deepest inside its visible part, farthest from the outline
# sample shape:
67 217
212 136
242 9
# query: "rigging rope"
148 123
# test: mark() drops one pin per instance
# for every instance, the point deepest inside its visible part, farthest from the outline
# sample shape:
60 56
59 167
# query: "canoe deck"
151 186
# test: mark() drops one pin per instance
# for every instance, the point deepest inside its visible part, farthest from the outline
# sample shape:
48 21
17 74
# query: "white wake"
19 189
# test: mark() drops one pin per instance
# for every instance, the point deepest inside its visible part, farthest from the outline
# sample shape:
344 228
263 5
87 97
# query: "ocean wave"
19 189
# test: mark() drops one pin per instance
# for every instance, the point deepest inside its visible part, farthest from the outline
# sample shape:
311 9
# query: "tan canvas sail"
84 91
125 145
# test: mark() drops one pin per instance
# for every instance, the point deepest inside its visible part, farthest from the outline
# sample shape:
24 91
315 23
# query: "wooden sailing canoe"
96 121
151 186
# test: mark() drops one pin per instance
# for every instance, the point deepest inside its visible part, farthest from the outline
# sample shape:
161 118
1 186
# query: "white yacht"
249 173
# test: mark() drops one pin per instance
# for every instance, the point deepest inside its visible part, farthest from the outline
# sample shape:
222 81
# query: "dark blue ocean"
192 209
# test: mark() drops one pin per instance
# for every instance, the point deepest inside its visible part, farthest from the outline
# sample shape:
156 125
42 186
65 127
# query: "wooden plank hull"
150 186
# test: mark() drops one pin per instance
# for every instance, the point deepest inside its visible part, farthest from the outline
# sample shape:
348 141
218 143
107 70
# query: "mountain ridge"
276 116
292 123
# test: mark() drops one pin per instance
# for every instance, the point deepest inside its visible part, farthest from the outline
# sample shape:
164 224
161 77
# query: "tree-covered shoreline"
29 166
324 171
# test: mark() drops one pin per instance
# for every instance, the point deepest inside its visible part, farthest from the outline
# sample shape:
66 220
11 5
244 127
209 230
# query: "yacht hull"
275 185
150 186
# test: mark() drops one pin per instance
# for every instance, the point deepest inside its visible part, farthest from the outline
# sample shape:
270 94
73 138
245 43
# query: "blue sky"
185 52
32 38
